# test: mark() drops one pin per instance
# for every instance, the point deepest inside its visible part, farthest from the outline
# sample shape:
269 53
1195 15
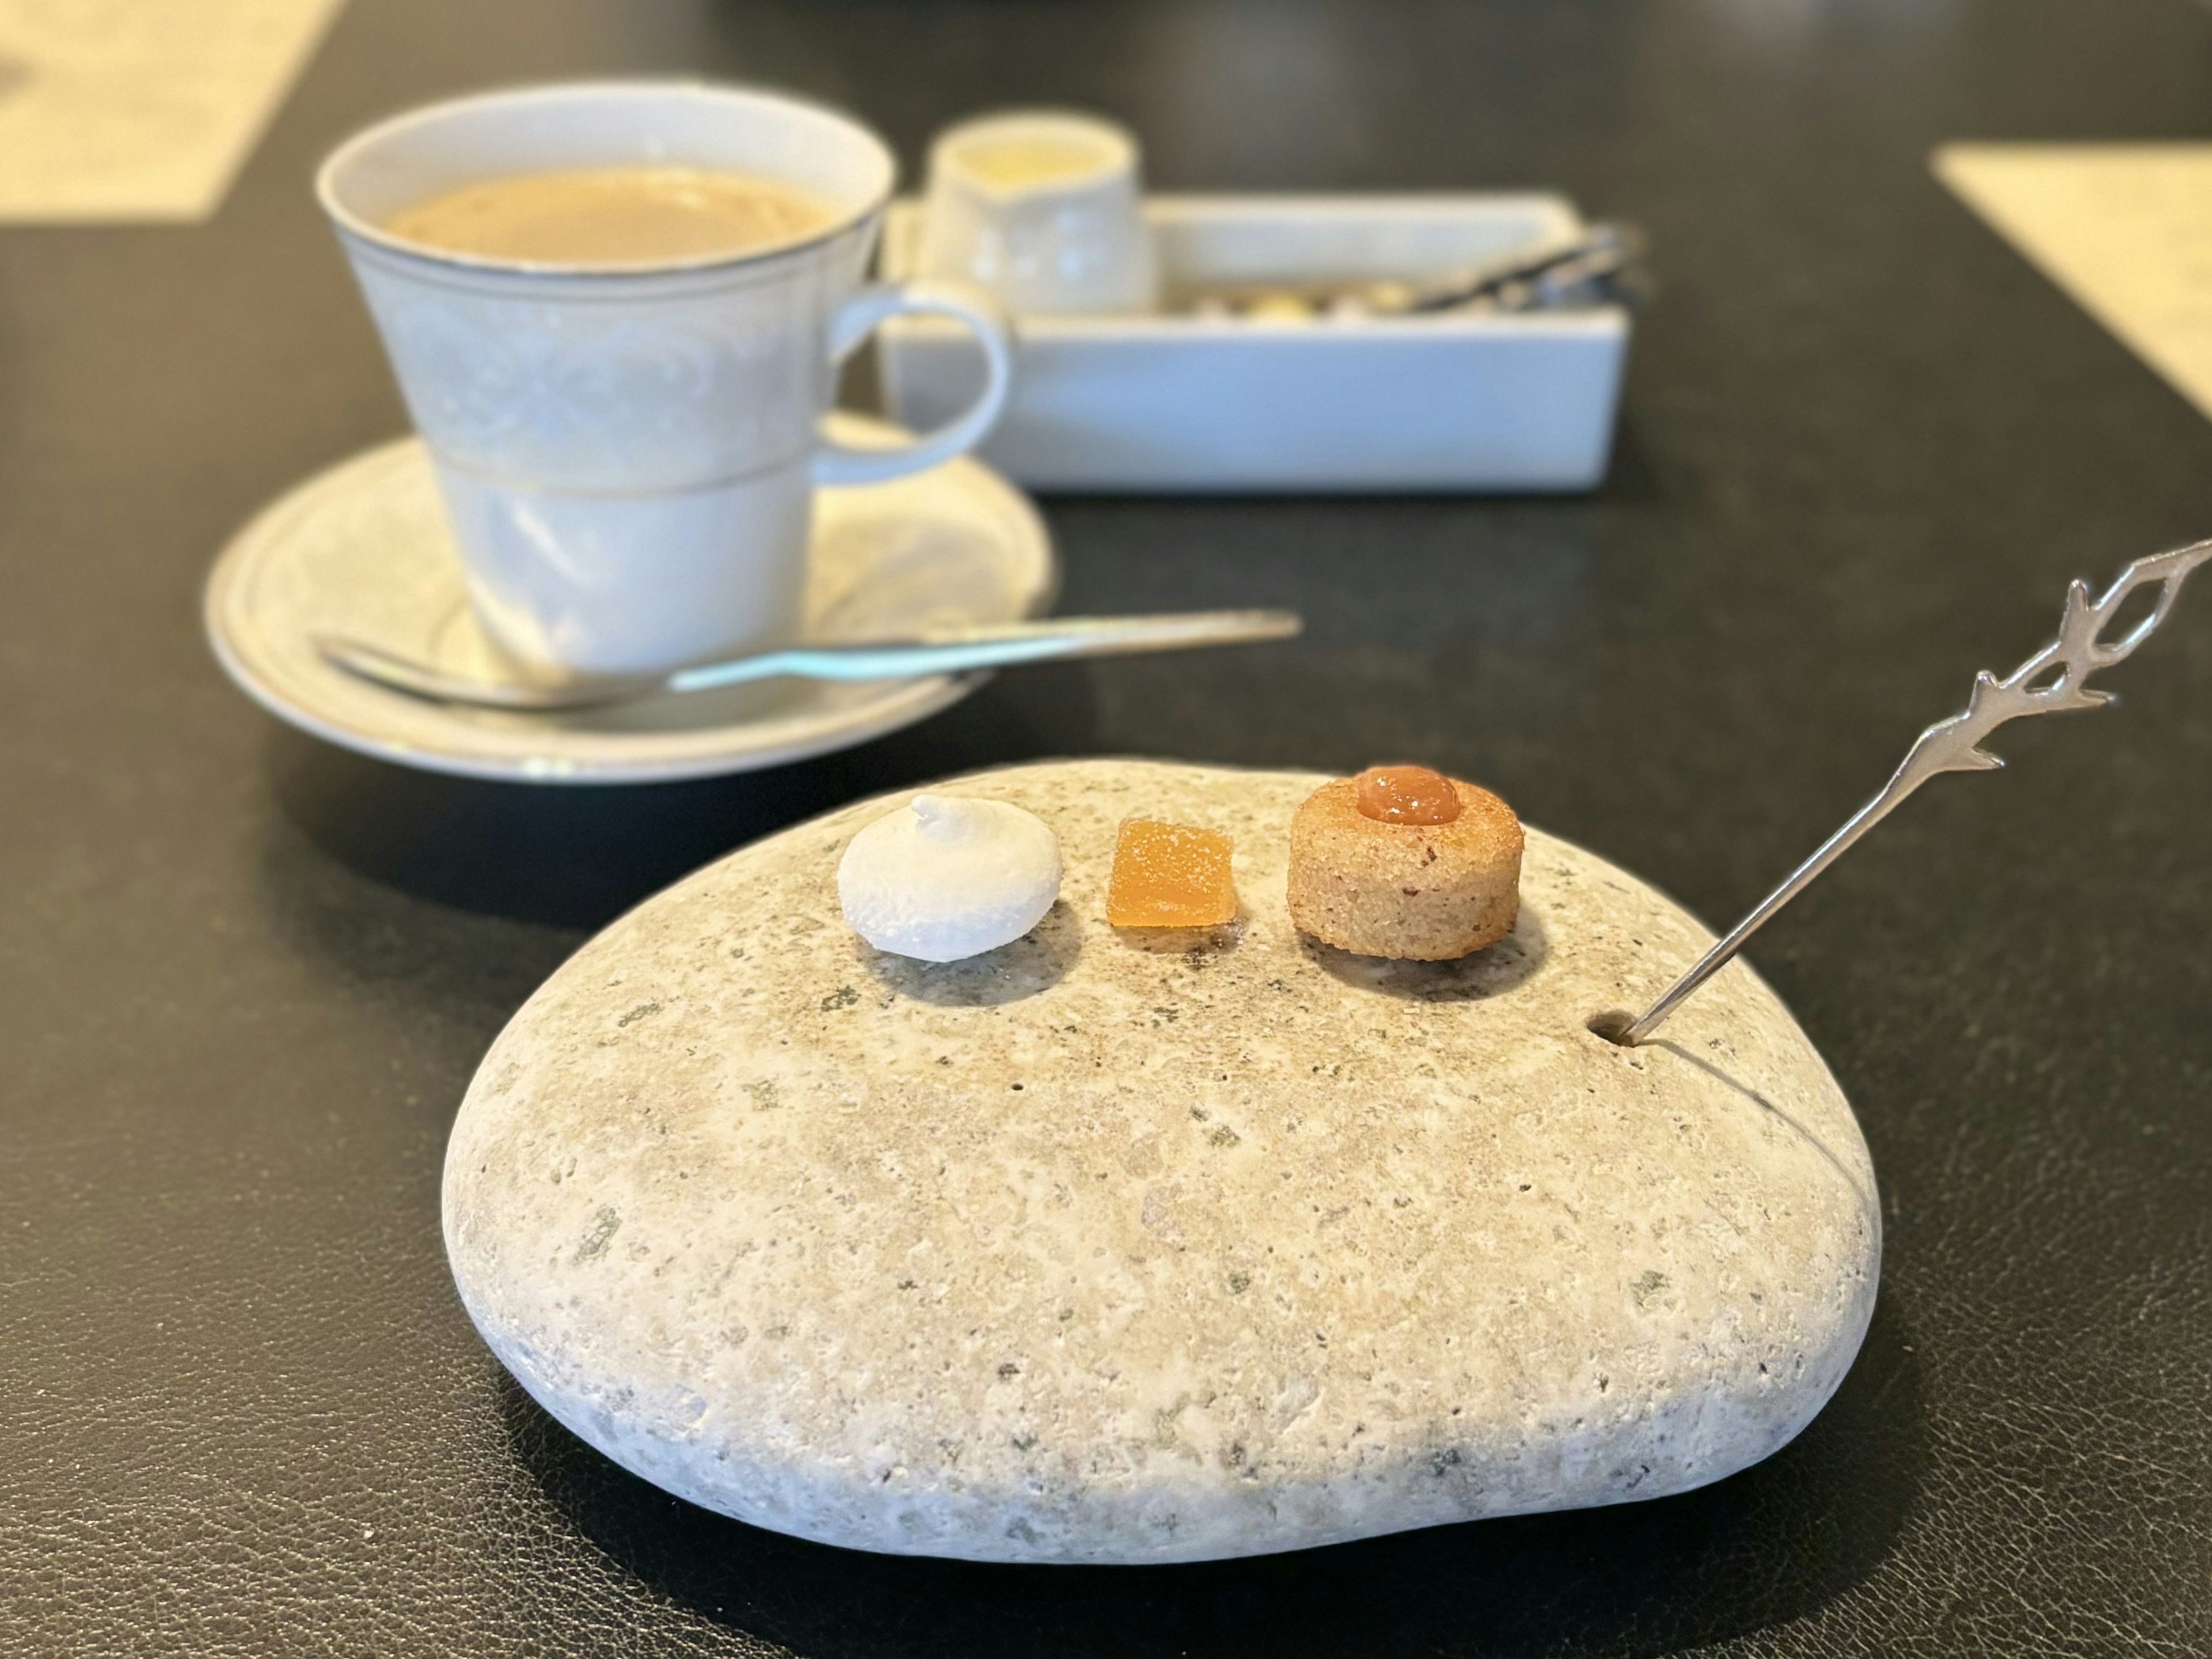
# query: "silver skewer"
1954 746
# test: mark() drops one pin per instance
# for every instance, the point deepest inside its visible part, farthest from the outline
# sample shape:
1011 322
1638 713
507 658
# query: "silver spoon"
933 650
1557 274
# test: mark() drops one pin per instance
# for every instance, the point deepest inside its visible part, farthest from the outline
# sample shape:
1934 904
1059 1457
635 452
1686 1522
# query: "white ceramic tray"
1501 401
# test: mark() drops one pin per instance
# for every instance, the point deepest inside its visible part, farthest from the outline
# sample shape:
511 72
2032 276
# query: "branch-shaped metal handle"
1955 745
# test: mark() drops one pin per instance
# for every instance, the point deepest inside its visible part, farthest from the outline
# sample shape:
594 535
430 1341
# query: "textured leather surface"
243 978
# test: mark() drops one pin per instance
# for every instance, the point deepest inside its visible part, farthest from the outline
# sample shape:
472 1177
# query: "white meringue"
947 877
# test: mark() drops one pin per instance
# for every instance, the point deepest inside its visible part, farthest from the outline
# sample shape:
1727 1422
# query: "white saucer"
362 550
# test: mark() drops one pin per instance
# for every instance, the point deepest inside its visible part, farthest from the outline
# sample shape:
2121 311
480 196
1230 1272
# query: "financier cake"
1401 861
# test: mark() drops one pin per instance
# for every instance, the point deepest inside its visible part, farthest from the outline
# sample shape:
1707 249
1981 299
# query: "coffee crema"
615 216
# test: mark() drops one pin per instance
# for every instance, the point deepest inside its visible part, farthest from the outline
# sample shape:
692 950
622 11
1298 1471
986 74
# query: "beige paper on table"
140 109
2126 229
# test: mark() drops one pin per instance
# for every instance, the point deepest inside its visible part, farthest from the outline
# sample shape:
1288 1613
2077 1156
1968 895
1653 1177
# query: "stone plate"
1087 1252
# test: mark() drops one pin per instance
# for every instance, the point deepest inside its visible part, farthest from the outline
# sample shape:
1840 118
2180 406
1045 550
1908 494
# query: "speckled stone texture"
1087 1252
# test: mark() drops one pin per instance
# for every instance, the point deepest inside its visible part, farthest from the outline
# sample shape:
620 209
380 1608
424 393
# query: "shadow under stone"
1488 973
1770 1545
580 856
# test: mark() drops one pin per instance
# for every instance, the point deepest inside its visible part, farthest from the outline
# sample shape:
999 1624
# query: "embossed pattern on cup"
674 383
629 455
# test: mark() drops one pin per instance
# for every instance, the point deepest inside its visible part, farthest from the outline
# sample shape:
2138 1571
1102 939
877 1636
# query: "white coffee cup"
1044 208
629 455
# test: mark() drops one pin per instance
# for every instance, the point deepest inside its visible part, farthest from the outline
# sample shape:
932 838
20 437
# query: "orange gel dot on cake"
1169 875
1406 794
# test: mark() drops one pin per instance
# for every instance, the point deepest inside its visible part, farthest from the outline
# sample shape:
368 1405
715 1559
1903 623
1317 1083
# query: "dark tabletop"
244 977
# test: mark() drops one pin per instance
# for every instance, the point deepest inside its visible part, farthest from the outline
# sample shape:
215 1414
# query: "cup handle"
860 316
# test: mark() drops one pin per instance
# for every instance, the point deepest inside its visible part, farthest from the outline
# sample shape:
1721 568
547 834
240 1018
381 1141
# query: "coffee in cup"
613 217
616 311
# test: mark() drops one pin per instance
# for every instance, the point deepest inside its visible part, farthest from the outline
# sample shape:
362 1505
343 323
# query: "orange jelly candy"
1169 875
1406 794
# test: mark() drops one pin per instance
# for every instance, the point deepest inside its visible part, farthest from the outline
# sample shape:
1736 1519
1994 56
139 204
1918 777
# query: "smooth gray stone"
1085 1252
